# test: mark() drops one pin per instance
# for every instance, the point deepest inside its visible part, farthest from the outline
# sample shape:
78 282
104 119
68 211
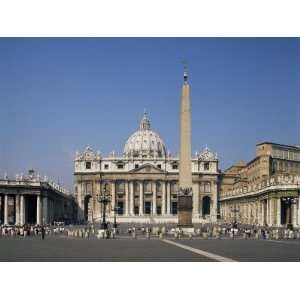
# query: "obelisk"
185 194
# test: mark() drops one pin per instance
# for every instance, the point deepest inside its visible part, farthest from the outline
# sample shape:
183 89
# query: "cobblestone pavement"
62 248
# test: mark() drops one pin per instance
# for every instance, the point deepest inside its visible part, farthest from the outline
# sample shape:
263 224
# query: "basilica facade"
142 183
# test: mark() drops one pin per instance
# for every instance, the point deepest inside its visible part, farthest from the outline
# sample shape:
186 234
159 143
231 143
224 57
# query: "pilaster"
141 205
154 198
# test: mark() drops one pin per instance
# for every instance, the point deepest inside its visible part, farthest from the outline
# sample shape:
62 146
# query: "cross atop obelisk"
185 196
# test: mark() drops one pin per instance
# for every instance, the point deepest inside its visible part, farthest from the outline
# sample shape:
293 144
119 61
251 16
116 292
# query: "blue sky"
59 95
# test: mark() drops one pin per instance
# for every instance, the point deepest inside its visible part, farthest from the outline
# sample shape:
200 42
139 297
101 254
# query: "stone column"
45 210
38 210
22 210
5 209
294 213
271 211
131 198
248 213
196 199
79 202
214 199
168 198
141 206
263 212
163 199
278 212
17 209
126 198
154 198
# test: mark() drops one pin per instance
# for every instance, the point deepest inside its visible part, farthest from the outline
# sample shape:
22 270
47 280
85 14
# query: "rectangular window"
106 166
174 167
174 208
159 166
136 210
88 165
206 166
158 210
207 187
136 166
148 208
148 187
120 166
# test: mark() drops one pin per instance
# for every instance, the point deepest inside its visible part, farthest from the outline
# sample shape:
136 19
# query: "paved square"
60 248
69 249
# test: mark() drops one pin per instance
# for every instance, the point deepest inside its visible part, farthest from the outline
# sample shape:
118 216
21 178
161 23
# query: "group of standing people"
24 231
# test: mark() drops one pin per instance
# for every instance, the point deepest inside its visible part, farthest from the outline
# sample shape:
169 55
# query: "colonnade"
44 209
271 211
133 197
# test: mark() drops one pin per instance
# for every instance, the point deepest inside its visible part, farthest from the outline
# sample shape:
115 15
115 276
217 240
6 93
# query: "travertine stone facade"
143 183
264 191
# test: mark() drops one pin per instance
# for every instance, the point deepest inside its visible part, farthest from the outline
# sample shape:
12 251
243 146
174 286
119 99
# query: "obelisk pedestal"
185 194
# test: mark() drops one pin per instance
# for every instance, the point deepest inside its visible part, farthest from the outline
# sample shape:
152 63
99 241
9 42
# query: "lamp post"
115 210
104 198
234 225
235 211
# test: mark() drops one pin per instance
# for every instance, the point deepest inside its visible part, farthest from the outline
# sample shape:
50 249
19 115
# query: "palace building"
143 182
264 191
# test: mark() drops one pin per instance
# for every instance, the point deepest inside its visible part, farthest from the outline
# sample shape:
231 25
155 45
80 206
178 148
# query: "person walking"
43 233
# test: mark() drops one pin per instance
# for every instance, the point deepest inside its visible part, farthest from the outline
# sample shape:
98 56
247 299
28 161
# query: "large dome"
145 142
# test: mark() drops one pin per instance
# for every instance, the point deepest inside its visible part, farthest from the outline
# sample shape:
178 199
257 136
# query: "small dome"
145 142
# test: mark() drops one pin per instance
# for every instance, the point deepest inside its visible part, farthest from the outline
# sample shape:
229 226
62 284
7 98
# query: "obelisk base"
185 210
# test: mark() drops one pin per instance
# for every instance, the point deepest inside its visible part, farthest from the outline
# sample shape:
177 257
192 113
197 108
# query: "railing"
273 181
36 181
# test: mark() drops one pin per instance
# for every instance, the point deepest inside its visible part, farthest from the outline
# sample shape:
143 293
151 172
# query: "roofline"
276 144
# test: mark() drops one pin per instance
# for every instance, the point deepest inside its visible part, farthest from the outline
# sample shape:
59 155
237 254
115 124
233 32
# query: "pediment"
147 168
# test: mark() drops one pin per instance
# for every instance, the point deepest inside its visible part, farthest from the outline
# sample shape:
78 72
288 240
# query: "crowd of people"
27 230
225 230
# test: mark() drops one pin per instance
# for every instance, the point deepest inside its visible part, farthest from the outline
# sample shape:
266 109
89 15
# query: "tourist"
43 232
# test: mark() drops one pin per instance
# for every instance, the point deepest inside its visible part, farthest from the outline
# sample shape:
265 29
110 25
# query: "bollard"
134 235
190 236
161 235
148 235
